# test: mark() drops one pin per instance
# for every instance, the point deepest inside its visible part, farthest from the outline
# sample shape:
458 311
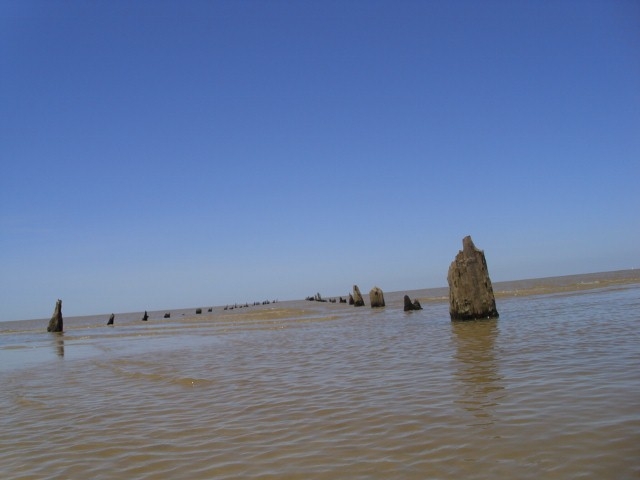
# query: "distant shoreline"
549 285
502 289
567 283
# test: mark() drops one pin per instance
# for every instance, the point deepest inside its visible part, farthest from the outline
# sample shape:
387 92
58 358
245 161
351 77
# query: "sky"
169 154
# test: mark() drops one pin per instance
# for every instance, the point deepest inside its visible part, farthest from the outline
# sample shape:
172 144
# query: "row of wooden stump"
470 292
376 297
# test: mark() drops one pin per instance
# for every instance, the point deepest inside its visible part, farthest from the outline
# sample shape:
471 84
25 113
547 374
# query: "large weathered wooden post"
470 291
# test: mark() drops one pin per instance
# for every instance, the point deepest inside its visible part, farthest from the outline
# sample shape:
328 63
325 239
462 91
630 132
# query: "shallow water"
551 389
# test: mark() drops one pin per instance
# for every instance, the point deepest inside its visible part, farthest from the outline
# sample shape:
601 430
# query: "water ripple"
551 390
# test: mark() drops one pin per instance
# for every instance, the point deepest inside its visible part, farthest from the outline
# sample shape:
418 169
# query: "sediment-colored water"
302 389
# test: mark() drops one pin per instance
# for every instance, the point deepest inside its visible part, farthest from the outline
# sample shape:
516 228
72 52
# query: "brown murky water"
317 390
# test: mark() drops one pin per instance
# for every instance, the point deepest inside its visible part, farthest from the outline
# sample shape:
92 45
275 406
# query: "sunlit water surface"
549 390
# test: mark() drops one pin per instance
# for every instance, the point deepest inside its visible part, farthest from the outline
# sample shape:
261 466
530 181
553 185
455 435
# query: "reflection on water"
58 343
323 391
477 368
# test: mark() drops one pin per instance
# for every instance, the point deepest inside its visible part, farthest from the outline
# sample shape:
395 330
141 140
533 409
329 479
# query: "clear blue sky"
167 154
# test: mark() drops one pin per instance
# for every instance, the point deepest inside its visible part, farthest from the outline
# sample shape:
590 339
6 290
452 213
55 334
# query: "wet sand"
547 286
